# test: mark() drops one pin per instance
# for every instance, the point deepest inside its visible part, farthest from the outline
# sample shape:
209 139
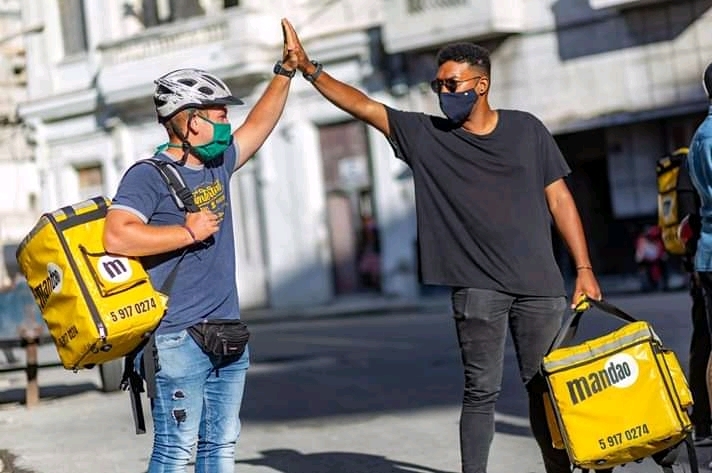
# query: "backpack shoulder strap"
172 177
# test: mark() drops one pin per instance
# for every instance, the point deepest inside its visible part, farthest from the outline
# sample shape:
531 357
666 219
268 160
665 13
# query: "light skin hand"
290 58
203 224
292 44
263 117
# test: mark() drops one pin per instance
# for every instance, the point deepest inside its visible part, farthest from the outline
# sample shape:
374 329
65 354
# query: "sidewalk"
437 299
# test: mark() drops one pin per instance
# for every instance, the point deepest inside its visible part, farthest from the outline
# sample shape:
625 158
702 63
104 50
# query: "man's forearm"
352 101
344 96
568 223
139 239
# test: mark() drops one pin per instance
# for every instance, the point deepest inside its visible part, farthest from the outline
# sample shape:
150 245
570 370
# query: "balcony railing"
237 44
158 41
420 24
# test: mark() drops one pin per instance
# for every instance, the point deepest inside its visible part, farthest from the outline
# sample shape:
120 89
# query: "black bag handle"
569 327
130 380
172 177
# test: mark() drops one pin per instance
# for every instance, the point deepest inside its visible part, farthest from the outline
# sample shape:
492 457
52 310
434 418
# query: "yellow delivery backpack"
618 398
97 306
668 170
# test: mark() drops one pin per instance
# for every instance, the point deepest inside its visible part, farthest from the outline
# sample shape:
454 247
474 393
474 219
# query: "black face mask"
457 106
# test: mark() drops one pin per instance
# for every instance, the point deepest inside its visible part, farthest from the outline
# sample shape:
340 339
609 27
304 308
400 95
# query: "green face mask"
222 139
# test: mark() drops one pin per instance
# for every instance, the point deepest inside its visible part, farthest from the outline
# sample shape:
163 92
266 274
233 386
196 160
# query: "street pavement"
342 393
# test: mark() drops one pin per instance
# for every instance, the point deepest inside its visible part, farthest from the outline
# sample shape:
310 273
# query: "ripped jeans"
198 398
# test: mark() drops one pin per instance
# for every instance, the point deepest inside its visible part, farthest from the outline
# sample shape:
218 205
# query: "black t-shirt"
483 220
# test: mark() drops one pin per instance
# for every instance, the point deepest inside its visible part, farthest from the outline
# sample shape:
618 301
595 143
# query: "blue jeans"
198 397
481 319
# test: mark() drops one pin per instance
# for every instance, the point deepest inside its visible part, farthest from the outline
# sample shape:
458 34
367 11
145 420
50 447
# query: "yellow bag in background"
97 307
668 169
617 398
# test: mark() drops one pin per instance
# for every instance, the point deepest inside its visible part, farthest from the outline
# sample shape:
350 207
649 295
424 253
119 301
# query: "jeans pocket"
165 341
459 299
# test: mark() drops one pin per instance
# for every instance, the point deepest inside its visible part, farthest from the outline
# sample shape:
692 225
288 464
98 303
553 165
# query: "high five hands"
293 51
290 58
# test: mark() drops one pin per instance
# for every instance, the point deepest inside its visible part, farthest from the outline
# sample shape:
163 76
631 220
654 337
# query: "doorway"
351 220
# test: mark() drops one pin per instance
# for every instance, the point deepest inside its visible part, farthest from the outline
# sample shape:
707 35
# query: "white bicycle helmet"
189 88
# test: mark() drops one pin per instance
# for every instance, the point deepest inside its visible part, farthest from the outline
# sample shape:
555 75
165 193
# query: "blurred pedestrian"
688 207
699 162
486 184
650 256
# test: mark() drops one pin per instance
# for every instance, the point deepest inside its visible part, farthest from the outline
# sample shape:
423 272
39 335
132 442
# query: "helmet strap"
185 144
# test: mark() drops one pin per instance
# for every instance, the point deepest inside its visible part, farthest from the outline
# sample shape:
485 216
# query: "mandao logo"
115 269
619 371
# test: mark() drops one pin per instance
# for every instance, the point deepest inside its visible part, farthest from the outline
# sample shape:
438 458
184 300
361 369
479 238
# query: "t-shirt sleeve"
404 127
139 191
553 162
230 157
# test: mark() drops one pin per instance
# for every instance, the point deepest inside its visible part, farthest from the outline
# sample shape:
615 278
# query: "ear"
192 123
483 85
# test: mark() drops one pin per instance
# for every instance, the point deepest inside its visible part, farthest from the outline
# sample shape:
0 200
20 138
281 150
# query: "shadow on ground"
293 461
47 392
7 463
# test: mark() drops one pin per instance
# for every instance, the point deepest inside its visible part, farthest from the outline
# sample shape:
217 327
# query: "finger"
289 34
285 40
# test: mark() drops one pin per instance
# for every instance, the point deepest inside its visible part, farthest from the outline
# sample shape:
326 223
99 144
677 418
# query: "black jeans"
700 352
481 319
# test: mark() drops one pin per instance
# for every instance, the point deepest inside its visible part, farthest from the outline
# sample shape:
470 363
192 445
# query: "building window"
74 36
156 12
91 181
420 6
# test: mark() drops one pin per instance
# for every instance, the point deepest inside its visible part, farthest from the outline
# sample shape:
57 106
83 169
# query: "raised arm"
347 98
266 112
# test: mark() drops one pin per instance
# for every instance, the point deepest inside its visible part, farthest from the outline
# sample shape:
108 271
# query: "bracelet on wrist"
582 267
314 75
190 232
279 69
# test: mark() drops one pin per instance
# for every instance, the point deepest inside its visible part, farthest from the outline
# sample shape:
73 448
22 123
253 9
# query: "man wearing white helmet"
699 162
198 386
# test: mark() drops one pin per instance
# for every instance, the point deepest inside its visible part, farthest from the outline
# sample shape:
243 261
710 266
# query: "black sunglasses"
436 85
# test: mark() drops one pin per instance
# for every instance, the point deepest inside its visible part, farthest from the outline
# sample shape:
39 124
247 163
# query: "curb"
335 311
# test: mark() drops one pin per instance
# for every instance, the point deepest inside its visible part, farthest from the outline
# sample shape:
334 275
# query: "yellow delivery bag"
617 398
97 306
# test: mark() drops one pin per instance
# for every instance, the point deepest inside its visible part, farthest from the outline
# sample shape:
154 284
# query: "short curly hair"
470 53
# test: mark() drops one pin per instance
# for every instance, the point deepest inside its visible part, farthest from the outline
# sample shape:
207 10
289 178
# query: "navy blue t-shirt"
483 220
205 285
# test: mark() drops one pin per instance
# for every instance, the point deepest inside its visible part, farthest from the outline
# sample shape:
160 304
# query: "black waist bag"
224 337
